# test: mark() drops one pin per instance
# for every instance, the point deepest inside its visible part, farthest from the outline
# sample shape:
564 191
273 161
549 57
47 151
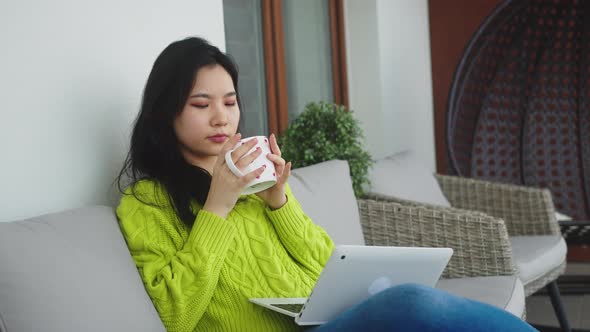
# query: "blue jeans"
412 307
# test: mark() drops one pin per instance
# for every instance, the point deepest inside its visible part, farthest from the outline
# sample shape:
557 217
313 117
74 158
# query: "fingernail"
263 166
257 148
258 177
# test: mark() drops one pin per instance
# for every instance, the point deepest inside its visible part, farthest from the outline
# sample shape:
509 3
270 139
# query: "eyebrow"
205 95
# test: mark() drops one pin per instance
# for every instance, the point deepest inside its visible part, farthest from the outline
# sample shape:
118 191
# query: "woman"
202 249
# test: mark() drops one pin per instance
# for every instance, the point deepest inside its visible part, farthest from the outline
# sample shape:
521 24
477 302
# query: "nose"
219 117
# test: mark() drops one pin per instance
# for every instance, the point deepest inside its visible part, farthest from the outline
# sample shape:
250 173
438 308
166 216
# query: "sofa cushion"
506 292
325 193
404 176
536 255
71 271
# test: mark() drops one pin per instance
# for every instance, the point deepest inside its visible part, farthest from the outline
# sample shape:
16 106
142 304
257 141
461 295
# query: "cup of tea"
268 178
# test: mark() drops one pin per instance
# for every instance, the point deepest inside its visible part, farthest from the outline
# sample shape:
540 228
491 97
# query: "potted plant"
325 131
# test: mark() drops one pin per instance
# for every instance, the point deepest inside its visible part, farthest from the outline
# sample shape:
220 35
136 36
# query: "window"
289 52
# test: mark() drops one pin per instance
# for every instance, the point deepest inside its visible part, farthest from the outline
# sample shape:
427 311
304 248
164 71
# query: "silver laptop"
354 273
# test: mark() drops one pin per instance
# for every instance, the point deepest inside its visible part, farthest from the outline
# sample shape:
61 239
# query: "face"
209 117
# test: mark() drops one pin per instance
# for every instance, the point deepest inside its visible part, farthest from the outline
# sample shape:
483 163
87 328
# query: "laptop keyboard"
292 307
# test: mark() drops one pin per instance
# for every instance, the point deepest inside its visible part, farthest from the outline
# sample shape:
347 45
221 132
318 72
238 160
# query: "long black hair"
154 151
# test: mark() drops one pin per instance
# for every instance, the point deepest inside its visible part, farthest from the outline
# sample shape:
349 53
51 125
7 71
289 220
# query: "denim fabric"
412 307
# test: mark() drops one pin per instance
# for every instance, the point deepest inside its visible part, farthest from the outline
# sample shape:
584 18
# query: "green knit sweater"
200 278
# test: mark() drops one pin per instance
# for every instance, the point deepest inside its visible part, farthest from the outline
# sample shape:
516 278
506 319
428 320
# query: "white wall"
390 83
364 83
72 74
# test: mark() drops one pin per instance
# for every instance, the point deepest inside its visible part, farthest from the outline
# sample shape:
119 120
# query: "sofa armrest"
480 242
526 210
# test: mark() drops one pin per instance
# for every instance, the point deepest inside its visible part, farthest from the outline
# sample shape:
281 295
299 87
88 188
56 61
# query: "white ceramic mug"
267 179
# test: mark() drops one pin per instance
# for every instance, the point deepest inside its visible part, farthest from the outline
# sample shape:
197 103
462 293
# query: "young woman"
202 249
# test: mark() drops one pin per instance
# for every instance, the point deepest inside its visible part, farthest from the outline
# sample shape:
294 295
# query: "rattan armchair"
526 211
480 242
483 226
482 266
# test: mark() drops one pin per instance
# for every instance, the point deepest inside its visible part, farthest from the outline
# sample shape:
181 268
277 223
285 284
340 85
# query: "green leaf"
326 131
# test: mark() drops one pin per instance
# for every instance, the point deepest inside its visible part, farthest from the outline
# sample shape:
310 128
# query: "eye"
231 103
201 106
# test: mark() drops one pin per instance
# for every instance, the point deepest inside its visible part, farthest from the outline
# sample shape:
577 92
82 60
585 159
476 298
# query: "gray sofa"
71 271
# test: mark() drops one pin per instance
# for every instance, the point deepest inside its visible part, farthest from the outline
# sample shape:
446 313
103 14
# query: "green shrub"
324 132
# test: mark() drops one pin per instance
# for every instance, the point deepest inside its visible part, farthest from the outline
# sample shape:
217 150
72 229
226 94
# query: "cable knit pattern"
200 279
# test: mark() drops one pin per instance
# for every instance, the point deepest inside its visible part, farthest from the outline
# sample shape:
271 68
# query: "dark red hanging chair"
519 108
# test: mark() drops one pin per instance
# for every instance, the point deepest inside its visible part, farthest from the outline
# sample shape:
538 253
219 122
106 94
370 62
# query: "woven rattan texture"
518 108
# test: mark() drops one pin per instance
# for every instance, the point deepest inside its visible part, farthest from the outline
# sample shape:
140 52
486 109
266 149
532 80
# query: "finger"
230 144
240 151
277 161
252 175
286 173
288 170
274 146
249 158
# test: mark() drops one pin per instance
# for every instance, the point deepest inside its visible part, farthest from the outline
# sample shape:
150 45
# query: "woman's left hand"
275 196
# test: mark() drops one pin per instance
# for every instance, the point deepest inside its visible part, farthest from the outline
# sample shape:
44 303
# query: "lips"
218 138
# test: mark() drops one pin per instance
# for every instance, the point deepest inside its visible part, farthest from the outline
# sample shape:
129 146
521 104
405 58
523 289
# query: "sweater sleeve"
179 276
305 241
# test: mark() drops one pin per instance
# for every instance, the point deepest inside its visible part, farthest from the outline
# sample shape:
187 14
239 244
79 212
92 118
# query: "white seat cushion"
404 176
505 292
325 193
560 216
536 255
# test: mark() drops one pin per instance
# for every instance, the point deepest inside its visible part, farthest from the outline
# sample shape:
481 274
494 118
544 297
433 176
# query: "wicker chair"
488 219
480 242
481 246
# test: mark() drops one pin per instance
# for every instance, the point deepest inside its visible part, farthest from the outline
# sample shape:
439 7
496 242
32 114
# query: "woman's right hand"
226 186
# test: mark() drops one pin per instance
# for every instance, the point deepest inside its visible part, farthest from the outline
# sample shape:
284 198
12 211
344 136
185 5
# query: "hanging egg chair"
518 109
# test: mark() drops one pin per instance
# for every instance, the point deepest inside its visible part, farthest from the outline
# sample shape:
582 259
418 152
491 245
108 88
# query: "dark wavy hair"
154 151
